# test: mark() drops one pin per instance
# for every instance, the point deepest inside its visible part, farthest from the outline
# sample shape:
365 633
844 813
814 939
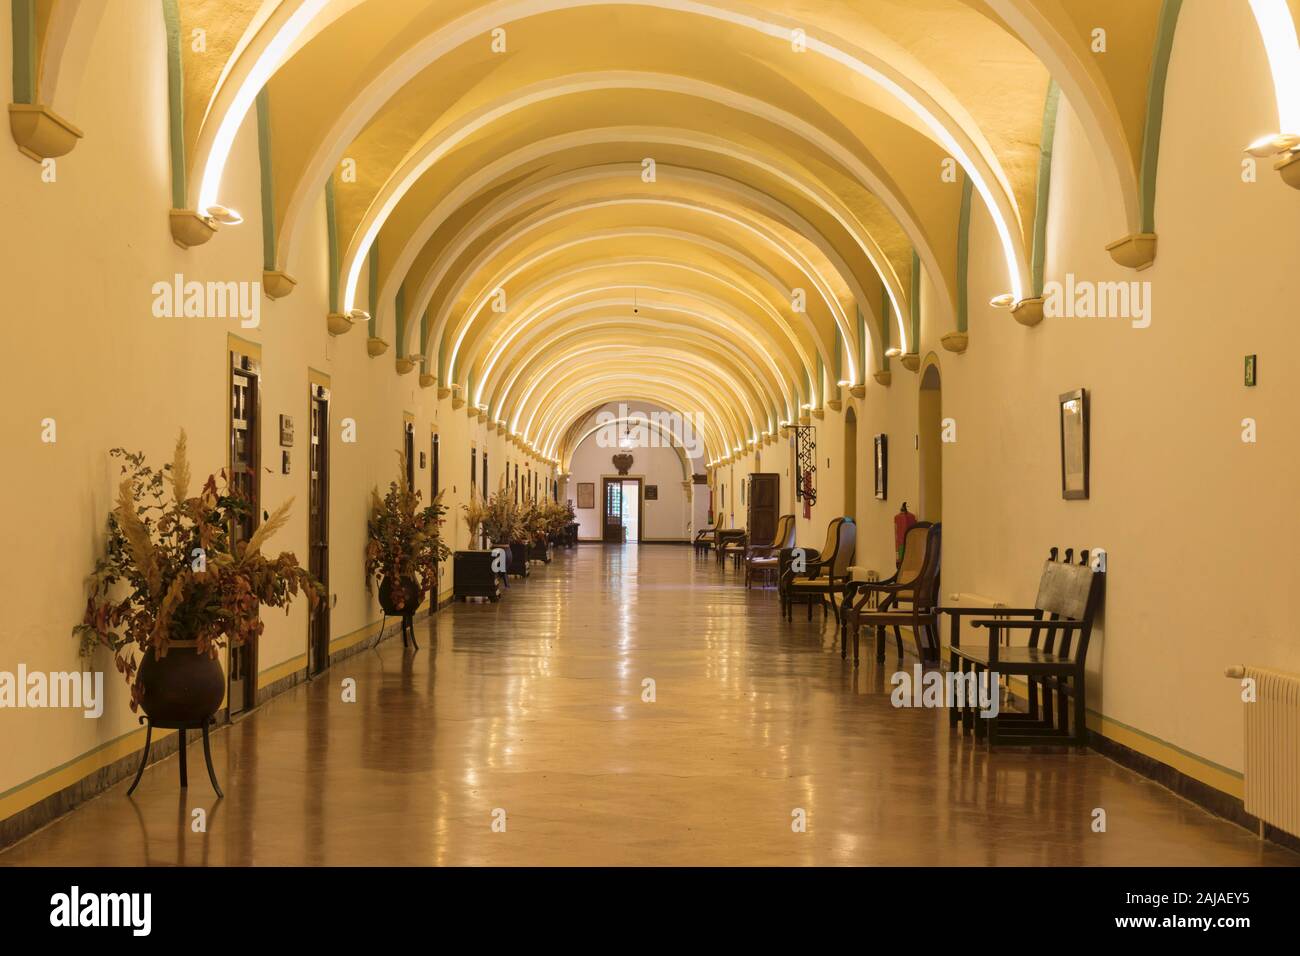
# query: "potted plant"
473 574
503 524
475 511
537 522
404 545
173 589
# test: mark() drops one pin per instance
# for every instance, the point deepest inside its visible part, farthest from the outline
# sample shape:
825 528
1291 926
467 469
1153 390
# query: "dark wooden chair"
909 567
1053 660
907 599
729 541
824 576
734 547
765 558
708 537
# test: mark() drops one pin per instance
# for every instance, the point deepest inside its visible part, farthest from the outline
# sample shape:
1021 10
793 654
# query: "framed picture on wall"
1073 410
651 492
586 494
882 466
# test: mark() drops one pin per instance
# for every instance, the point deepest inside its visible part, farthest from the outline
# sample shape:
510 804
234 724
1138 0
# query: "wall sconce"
224 215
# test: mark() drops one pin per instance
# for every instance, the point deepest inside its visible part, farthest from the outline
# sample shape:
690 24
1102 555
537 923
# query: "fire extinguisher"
903 522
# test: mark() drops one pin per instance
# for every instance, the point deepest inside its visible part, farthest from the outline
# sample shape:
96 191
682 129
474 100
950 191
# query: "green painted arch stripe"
963 253
914 301
884 330
865 362
332 244
1043 194
175 101
373 291
1168 23
24 44
267 178
401 320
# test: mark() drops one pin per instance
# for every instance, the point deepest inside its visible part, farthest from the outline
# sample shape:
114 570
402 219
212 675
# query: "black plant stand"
180 726
408 627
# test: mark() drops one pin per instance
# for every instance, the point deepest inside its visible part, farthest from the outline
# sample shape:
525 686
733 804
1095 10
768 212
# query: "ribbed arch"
654 312
824 315
601 350
589 189
734 407
712 263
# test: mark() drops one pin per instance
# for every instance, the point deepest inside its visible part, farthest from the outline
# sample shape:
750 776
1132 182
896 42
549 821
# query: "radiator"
1273 747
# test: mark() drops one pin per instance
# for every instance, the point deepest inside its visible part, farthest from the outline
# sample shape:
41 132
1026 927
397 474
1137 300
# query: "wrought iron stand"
181 727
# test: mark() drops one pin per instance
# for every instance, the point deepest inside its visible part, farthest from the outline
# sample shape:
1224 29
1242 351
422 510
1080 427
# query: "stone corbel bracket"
40 132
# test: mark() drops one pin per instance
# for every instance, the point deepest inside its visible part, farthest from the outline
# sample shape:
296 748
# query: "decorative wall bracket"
277 283
189 228
40 132
1134 252
805 486
955 341
1288 167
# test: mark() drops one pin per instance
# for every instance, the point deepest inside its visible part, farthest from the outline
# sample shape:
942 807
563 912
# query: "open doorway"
623 511
930 444
632 511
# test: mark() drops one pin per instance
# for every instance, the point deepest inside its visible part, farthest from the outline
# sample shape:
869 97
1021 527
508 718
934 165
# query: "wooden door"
764 503
245 443
435 478
318 529
408 450
613 523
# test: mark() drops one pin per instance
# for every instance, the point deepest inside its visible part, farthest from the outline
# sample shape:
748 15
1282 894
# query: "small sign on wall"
286 431
284 462
651 492
1252 369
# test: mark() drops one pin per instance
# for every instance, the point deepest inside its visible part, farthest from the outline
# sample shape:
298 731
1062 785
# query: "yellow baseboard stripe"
24 795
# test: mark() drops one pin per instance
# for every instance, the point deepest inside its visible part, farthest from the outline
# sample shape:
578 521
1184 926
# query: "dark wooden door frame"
244 659
318 526
640 504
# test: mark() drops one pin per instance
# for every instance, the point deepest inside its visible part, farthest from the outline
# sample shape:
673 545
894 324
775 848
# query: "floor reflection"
535 706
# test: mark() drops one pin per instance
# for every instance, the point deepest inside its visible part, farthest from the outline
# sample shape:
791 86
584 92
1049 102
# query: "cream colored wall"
91 355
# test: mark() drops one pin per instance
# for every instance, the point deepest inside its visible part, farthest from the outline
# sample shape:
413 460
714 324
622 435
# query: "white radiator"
1273 747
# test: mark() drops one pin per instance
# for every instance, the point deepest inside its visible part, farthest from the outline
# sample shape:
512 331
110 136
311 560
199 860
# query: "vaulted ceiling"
709 205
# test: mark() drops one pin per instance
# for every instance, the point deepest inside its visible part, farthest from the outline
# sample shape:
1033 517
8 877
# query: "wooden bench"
1053 660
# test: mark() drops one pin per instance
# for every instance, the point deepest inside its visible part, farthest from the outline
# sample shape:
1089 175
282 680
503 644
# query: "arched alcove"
930 429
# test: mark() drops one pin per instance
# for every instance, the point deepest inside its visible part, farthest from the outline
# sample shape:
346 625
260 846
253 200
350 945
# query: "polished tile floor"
531 712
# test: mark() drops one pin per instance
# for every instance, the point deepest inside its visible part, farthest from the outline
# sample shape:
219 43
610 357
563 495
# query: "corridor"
534 706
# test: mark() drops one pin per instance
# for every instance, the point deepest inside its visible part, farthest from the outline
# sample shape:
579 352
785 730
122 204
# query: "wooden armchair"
765 558
824 576
706 538
1059 626
731 542
880 604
